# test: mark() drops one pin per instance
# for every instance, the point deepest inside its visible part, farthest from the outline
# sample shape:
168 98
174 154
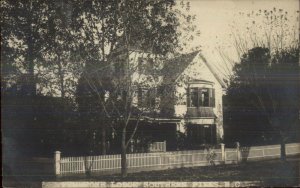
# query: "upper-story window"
146 97
201 97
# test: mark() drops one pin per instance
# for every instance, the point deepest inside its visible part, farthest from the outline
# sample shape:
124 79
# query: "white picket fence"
163 160
136 160
158 147
268 151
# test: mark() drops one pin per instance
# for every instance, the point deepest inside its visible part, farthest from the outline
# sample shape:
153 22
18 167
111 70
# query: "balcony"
200 112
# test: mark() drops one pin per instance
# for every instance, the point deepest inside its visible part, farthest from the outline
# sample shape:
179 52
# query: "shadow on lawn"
88 164
269 173
27 173
286 174
244 153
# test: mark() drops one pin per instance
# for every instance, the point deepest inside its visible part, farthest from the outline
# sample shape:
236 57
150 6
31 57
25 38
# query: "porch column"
180 127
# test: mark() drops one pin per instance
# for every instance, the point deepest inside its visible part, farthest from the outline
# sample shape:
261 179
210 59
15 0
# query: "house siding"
173 94
197 70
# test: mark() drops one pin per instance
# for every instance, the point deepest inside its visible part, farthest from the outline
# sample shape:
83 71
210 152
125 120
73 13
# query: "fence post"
238 152
223 152
165 146
57 162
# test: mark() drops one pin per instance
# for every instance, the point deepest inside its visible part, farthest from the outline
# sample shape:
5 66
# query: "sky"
214 17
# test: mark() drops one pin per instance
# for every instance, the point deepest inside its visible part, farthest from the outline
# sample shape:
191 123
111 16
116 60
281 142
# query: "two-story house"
186 93
197 93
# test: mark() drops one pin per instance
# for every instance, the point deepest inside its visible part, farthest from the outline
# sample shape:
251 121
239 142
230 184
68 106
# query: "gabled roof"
212 70
176 66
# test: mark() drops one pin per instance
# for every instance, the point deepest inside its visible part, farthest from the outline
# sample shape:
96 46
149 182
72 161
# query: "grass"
270 173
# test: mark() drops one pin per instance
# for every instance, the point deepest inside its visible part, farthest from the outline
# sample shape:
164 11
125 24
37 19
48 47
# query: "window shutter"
188 98
151 97
200 102
212 97
140 97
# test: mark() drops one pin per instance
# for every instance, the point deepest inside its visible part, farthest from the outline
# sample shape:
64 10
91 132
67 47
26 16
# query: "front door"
202 134
209 134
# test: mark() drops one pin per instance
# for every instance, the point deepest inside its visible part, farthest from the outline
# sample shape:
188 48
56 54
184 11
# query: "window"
201 134
142 93
198 97
194 97
204 98
145 65
146 97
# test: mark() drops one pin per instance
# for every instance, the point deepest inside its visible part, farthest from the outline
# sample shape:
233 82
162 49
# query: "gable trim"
187 66
212 71
208 66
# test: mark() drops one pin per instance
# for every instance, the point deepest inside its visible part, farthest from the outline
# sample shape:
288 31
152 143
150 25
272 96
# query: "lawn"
270 173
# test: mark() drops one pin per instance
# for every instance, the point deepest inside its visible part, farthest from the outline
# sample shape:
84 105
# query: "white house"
186 92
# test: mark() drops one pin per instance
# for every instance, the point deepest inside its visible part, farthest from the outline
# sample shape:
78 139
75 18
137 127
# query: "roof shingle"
174 67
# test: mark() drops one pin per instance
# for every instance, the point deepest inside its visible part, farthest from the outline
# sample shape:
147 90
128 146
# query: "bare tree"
262 72
275 29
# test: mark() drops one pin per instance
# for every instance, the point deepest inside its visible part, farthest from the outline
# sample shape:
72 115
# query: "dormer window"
201 97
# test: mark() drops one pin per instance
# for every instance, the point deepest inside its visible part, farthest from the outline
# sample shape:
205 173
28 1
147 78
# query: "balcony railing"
194 112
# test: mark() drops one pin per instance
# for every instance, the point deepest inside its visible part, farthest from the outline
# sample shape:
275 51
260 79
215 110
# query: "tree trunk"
31 90
123 154
61 75
103 139
282 148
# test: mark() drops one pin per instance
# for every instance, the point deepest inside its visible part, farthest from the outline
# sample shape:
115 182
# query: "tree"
90 97
35 35
267 85
56 71
259 39
274 28
97 36
44 38
117 27
24 28
37 40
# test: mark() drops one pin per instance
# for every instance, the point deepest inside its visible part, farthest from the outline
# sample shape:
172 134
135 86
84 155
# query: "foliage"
45 133
263 96
24 26
181 140
119 30
261 105
56 44
37 41
211 155
57 74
